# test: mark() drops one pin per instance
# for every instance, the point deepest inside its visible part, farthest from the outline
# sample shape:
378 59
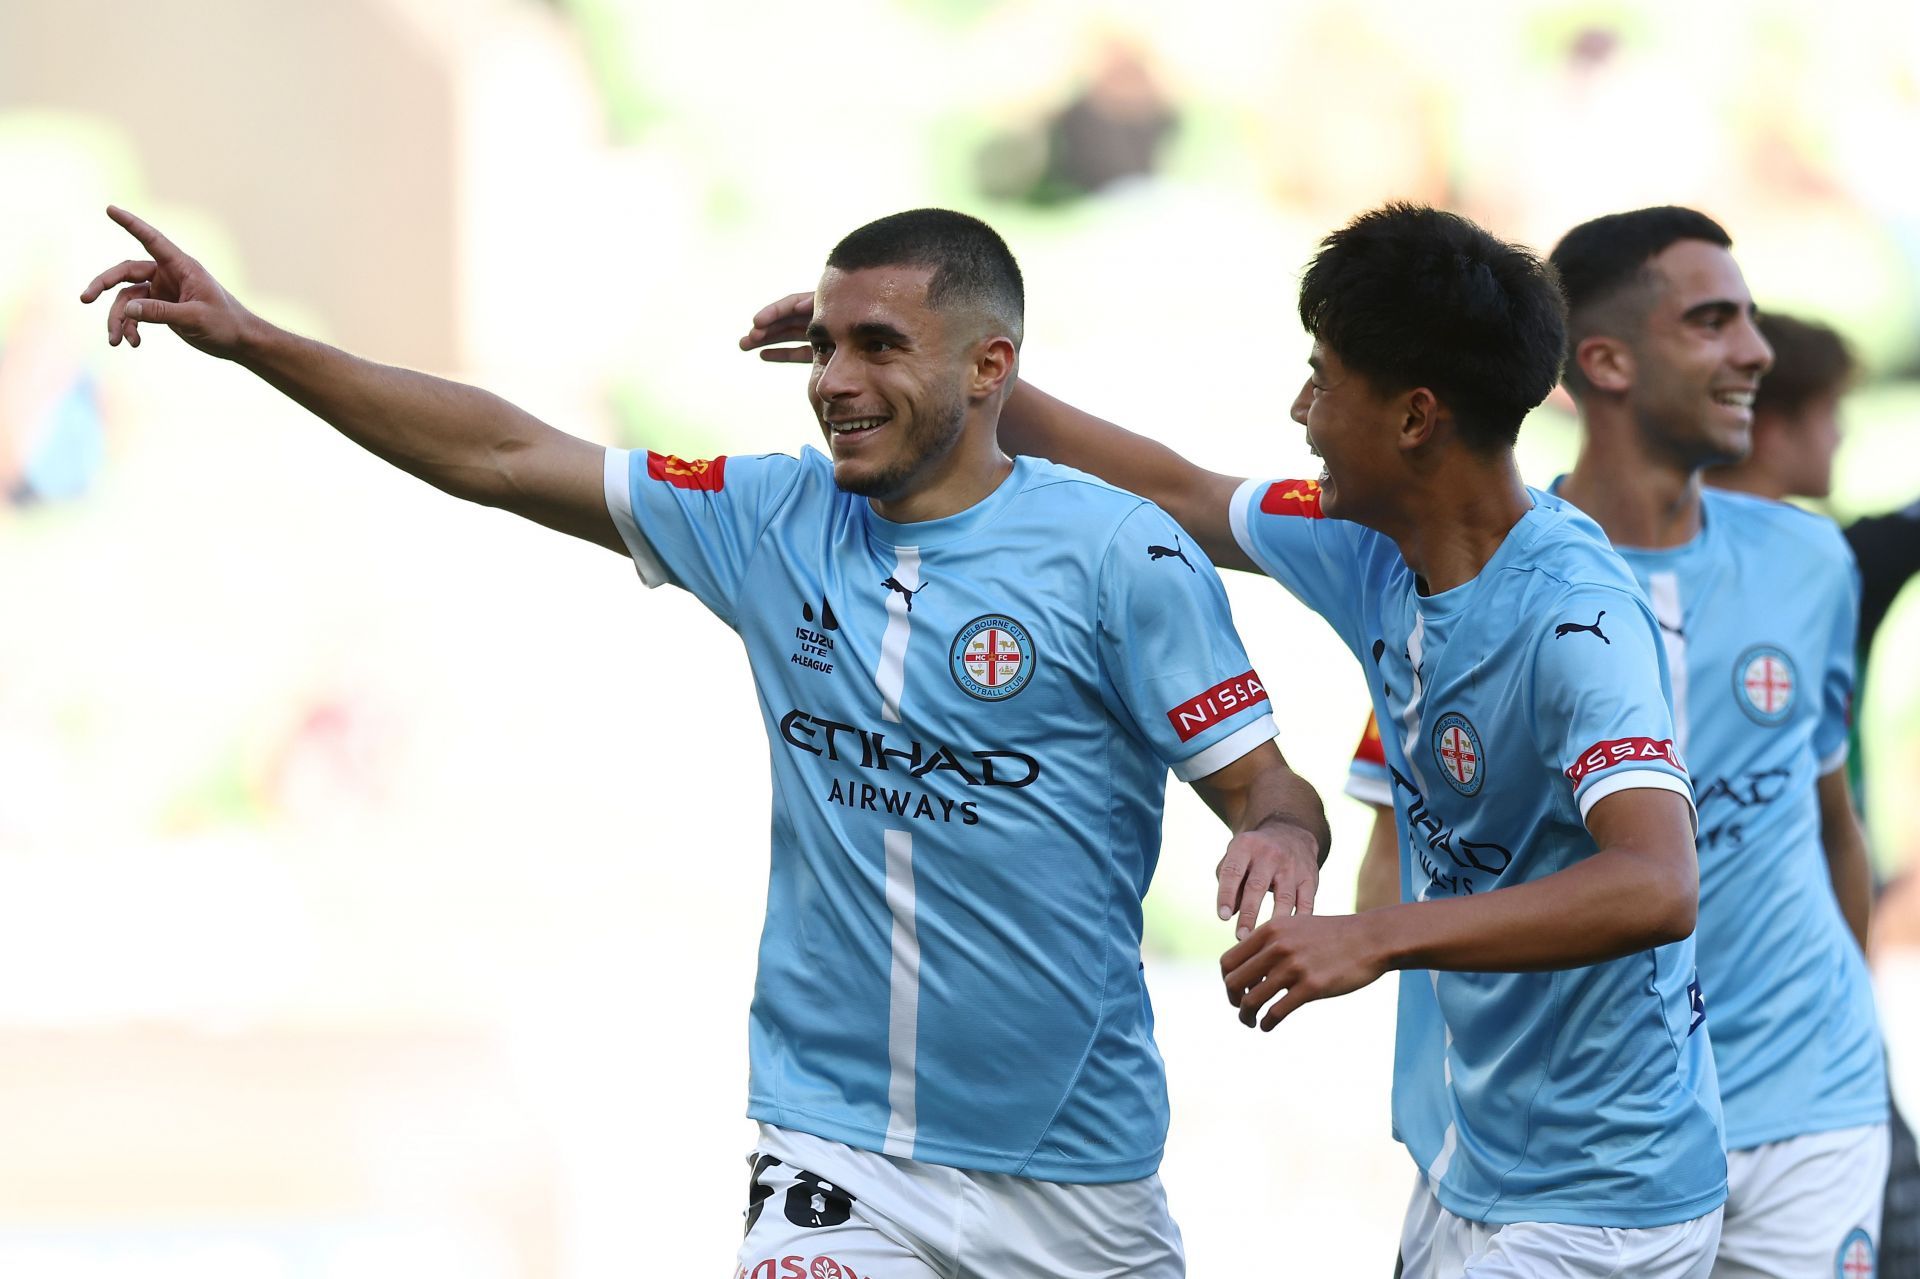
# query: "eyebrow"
1717 309
869 330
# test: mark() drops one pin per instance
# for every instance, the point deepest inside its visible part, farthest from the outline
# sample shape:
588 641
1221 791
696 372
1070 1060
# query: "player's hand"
1276 858
782 321
171 289
1291 961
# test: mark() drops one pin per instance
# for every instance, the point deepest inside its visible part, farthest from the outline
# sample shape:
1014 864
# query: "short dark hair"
972 265
1408 296
1809 360
1606 268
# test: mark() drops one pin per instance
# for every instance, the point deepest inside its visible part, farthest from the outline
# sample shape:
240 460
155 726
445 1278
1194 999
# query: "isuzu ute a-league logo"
991 658
1763 684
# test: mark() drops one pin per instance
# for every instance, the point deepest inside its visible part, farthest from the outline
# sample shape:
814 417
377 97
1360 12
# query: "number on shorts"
757 1194
812 1200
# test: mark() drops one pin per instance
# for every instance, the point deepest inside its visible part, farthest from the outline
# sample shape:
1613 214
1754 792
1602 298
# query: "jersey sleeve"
695 524
1170 654
1600 698
1831 734
1367 777
1279 524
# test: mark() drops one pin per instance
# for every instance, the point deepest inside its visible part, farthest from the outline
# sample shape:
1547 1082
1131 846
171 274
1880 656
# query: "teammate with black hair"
975 674
1548 1079
1758 604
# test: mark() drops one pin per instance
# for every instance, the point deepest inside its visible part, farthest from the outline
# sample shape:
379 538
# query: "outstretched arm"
1034 422
1641 889
460 439
1280 836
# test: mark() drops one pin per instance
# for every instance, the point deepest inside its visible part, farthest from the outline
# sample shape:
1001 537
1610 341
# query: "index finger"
155 243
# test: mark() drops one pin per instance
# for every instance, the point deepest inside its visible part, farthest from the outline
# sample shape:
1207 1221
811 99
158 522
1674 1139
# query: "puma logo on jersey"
893 584
1568 628
1173 552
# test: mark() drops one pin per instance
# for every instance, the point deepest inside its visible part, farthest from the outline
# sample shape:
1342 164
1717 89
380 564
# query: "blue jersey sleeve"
1600 697
1367 778
1279 525
1173 661
1831 734
696 524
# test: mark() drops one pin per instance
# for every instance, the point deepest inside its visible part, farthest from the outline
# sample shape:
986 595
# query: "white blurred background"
380 877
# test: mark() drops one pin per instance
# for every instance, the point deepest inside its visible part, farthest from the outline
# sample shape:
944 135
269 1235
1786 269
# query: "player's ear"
994 359
1606 363
1420 418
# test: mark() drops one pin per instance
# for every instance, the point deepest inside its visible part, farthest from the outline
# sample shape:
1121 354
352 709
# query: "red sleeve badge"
707 474
1370 751
1292 497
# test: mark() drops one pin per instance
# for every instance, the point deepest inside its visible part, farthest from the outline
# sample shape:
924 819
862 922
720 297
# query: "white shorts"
822 1210
1436 1244
1806 1206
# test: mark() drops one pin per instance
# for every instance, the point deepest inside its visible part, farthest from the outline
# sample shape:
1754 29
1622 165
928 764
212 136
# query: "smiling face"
1698 358
1352 429
889 382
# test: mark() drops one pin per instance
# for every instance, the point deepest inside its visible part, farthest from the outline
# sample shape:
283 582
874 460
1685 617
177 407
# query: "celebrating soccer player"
1758 604
1550 1080
975 674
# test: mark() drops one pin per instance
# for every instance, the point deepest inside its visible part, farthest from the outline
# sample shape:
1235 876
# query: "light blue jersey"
971 721
1508 707
1758 615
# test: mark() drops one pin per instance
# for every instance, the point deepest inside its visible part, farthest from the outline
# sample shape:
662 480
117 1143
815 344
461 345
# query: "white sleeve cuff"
1377 791
1837 760
1237 520
1227 749
615 480
1639 779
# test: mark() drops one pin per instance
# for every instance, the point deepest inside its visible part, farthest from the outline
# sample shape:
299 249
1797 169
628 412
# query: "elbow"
1673 906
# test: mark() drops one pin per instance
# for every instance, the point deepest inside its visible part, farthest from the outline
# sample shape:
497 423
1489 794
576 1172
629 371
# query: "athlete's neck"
1637 499
1459 519
967 475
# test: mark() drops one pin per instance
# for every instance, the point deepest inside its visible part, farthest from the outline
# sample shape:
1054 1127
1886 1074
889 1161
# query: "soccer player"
1796 431
1758 603
1550 1080
975 674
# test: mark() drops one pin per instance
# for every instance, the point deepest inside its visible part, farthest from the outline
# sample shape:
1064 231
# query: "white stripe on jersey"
1410 713
614 478
1664 588
903 1007
891 676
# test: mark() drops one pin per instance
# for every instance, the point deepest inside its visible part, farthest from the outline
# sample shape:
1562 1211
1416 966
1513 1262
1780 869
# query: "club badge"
992 658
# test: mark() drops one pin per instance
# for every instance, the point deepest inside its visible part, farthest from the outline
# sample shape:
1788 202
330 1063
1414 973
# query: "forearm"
1846 849
460 439
1616 902
1281 797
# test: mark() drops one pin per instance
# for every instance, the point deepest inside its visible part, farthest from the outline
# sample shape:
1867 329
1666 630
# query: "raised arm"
1034 422
460 439
1280 836
1640 889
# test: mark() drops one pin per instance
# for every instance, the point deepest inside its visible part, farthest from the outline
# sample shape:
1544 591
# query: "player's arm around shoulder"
1199 500
460 439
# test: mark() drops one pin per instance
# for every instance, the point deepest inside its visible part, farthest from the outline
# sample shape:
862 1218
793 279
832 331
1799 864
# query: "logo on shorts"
1855 1258
1456 749
992 658
1763 684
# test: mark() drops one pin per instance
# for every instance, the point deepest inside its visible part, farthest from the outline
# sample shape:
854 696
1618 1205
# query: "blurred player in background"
975 674
1548 1078
1758 607
1796 431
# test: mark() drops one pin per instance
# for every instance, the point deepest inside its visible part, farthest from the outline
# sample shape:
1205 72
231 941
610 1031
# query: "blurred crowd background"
379 878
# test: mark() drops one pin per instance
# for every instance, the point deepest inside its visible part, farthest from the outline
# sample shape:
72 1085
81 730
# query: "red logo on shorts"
1222 701
709 474
1292 497
1601 756
795 1266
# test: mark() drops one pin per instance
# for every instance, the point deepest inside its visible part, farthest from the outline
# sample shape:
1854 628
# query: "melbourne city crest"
992 658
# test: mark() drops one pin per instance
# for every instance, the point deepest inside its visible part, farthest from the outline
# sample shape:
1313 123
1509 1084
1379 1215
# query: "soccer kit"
1509 706
971 720
1757 614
